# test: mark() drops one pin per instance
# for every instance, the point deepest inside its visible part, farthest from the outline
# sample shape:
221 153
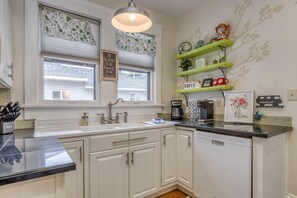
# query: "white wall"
17 8
264 53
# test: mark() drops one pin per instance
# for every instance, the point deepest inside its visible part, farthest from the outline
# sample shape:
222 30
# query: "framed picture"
109 65
239 106
200 62
207 82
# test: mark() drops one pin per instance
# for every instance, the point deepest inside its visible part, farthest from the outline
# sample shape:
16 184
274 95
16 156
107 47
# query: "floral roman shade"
136 43
136 49
68 35
58 24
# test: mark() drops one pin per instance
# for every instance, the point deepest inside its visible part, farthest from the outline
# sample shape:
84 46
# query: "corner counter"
269 153
32 166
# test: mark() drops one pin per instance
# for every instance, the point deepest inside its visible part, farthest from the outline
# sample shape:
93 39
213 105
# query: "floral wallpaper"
244 34
136 43
58 24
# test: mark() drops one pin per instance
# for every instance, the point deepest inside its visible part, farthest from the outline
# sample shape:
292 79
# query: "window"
70 55
136 57
134 85
60 75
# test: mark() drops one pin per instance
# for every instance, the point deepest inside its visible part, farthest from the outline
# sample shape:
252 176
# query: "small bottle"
85 120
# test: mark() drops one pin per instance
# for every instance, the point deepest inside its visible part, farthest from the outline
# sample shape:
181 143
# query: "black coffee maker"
176 110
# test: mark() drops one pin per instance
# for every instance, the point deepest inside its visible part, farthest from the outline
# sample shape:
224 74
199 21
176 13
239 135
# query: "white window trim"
33 108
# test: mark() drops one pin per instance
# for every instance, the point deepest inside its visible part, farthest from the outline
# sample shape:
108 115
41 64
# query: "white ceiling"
173 8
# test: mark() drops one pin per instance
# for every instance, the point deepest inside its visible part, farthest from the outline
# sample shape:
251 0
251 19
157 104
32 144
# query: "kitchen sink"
113 126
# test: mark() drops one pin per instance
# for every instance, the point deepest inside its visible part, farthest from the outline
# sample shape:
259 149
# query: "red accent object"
220 81
223 31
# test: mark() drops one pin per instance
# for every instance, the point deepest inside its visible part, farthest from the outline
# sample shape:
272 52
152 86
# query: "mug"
220 81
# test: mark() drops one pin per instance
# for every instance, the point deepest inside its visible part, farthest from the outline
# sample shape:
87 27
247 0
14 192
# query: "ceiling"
173 8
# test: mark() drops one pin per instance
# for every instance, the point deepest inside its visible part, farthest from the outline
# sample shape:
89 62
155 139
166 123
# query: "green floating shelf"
204 69
206 49
204 89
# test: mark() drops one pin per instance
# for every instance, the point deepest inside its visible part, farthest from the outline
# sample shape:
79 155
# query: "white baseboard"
291 196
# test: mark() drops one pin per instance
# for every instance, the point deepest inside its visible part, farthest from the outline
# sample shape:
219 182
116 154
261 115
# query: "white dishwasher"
222 166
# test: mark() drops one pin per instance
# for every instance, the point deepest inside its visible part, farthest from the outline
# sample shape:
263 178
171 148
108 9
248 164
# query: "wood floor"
174 194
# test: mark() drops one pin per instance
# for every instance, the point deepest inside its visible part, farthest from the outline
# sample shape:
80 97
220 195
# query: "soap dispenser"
85 120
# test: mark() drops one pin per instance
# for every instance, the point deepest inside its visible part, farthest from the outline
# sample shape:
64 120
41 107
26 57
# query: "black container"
205 109
176 110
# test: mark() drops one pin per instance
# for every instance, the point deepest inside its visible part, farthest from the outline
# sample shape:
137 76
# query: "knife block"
6 127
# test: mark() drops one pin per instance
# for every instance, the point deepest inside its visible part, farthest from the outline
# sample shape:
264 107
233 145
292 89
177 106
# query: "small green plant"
185 64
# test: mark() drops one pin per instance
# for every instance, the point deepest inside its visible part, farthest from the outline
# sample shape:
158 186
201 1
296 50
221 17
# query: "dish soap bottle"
85 120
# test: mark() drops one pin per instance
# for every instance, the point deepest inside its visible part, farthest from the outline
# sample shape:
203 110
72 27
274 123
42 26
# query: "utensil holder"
6 127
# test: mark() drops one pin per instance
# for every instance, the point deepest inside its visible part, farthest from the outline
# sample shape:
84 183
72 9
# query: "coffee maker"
176 110
205 110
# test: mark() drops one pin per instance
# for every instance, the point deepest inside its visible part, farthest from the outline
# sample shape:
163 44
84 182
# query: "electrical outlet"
292 95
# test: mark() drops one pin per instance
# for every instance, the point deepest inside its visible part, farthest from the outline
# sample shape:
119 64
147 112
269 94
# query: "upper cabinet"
6 51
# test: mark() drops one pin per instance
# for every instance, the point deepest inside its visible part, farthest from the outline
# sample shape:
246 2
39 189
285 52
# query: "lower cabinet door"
168 156
144 170
185 157
74 180
109 174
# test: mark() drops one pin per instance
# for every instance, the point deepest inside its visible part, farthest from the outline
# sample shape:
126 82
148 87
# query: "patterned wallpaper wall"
5 97
245 34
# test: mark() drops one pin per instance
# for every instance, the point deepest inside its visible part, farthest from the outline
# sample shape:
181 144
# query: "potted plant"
185 64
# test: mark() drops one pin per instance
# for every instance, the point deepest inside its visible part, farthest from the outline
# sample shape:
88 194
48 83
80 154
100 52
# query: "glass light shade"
131 19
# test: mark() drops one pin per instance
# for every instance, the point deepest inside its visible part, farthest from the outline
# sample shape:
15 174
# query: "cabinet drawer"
143 137
109 141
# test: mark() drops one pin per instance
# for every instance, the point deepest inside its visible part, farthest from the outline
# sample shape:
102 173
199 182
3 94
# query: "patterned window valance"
58 24
136 43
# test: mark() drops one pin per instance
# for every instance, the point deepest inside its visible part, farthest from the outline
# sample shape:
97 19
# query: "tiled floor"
174 194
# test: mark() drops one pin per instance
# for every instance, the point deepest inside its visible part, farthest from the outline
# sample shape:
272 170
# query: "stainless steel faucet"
109 109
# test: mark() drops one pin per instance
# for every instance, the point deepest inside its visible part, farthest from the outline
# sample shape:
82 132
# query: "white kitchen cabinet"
168 153
128 165
43 187
6 55
185 157
74 180
109 174
144 170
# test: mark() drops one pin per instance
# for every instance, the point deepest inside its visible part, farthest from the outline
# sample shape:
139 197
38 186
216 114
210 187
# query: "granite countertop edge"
242 133
36 174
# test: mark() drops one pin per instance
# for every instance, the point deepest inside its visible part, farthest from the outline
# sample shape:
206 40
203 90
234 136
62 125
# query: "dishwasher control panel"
224 138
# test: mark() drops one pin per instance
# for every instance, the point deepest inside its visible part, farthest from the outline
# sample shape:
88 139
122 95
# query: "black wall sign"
108 65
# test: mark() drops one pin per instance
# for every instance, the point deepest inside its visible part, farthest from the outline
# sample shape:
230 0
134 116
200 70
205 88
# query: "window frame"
151 87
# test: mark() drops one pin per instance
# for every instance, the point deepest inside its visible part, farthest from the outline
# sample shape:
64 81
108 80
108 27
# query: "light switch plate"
292 95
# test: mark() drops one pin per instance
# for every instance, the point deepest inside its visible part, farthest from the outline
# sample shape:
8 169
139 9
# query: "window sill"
66 106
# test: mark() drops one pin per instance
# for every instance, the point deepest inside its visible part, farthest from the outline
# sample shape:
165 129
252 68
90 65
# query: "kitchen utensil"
9 105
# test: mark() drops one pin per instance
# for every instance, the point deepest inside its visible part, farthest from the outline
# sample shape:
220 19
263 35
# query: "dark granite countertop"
242 130
23 157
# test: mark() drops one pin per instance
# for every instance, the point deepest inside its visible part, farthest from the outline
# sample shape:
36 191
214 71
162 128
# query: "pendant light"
131 19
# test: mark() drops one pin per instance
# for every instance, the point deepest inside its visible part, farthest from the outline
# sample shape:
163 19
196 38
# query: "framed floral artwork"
239 106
